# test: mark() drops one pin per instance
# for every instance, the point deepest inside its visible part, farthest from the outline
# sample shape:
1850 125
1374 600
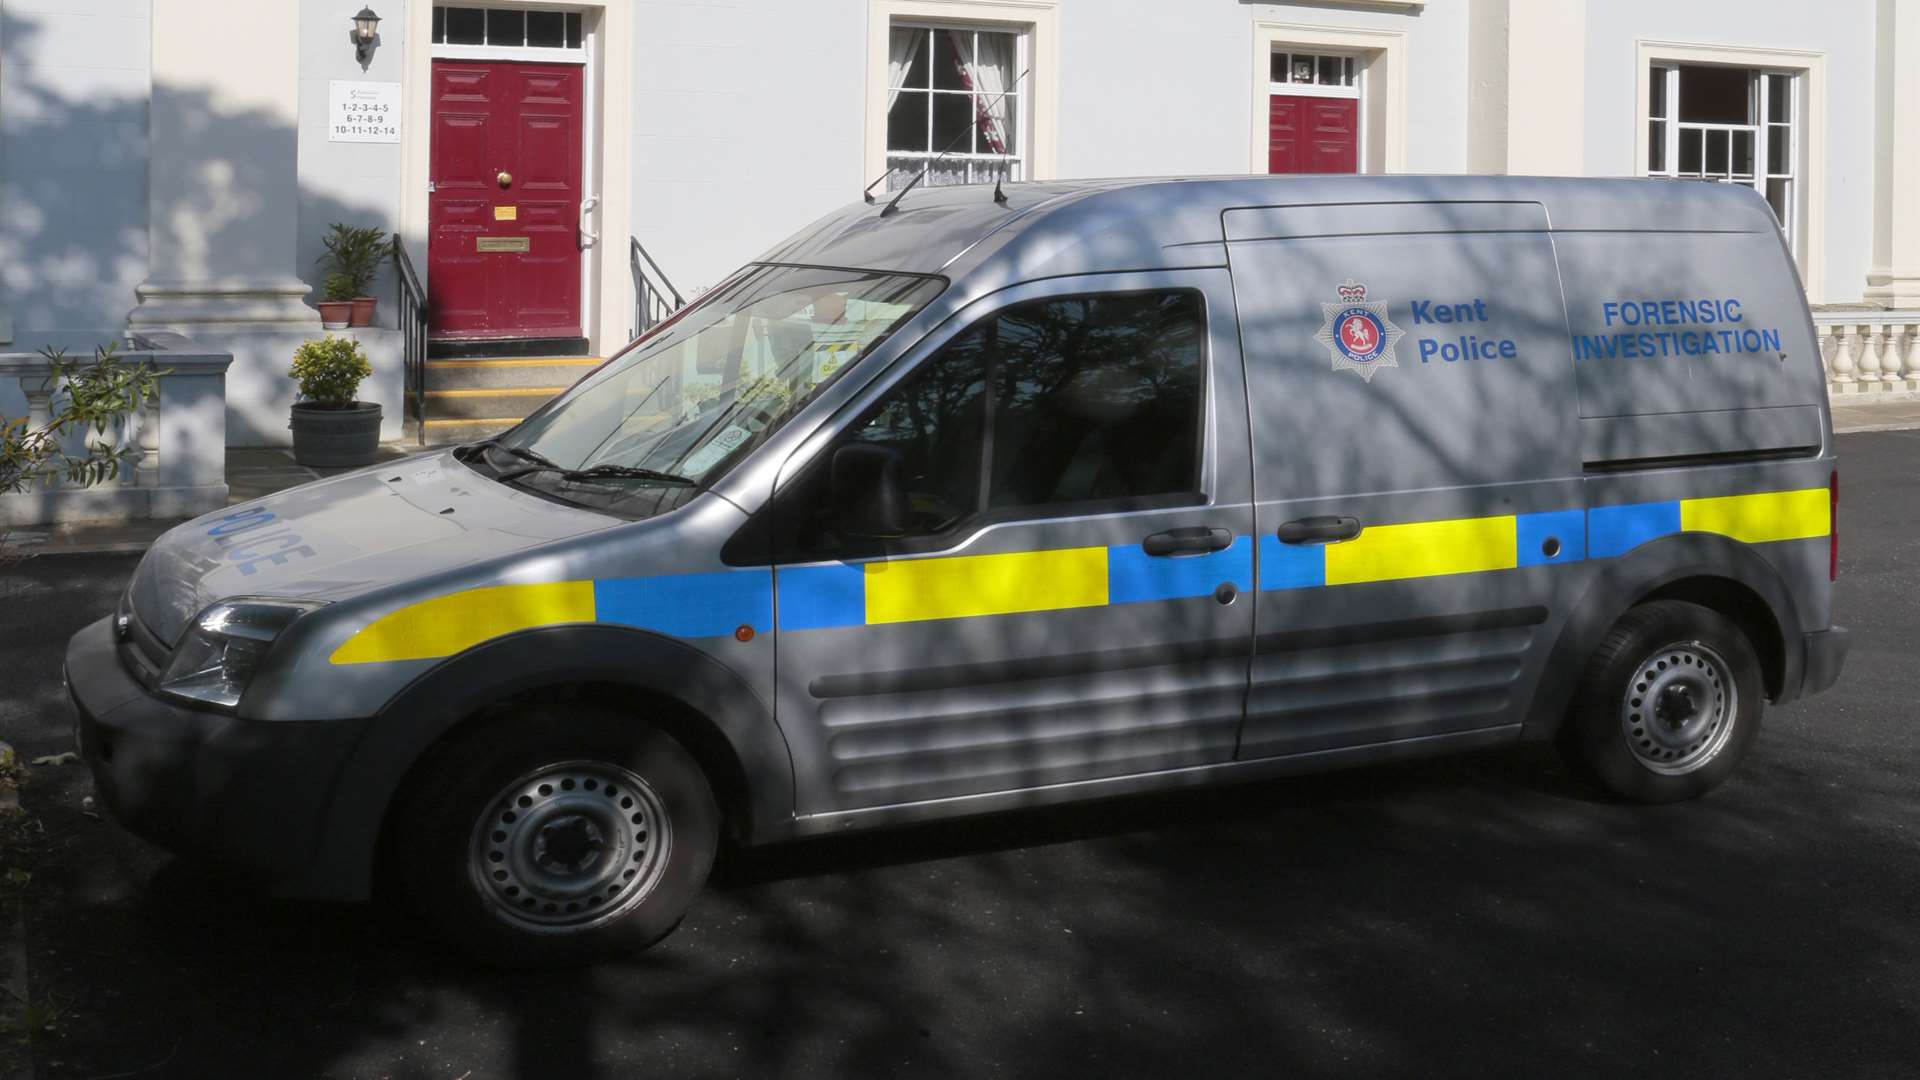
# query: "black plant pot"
333 438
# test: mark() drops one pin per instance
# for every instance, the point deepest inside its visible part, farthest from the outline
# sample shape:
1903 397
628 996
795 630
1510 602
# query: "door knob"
505 179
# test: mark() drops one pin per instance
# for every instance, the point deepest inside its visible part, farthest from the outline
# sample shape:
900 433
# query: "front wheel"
1668 704
554 837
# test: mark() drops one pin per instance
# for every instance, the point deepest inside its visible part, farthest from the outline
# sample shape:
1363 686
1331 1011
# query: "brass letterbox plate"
502 243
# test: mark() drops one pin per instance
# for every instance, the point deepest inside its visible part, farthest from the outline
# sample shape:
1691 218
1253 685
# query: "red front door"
503 257
1313 134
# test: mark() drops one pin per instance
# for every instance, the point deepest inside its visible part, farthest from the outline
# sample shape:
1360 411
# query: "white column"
222 185
6 324
1546 88
1894 279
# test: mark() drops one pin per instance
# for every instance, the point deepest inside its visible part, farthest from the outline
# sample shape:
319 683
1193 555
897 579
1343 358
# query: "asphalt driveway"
1471 916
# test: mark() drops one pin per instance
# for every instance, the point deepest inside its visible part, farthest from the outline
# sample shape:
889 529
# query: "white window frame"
1037 21
524 53
1806 234
1018 96
1760 131
1380 61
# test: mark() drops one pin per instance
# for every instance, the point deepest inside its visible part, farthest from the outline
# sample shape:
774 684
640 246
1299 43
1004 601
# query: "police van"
994 499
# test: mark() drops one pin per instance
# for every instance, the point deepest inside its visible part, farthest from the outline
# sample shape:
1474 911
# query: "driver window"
1090 402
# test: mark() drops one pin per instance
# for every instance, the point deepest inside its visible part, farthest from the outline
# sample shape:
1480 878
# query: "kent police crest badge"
1357 332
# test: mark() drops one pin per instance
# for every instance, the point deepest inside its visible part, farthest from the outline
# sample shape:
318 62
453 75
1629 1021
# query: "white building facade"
172 165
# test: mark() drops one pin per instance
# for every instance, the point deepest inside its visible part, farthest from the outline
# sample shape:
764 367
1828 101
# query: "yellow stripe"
449 624
1423 549
1757 519
964 585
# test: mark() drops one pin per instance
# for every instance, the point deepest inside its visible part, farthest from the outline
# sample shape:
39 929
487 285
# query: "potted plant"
336 311
330 427
353 253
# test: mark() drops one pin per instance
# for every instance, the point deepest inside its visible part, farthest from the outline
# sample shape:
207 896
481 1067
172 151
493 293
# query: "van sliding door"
1415 479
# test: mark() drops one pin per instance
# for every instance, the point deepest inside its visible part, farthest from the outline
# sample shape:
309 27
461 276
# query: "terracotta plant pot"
363 310
336 314
331 438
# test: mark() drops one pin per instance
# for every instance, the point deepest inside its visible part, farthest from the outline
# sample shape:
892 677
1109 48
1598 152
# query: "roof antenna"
999 196
866 194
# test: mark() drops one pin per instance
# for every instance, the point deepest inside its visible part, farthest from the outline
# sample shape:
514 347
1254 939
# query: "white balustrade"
178 438
1869 352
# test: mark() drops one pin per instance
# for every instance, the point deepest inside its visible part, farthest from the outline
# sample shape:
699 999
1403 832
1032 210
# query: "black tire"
436 852
1668 704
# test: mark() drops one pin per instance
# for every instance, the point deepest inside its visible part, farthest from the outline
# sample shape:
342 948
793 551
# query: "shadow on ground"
1480 915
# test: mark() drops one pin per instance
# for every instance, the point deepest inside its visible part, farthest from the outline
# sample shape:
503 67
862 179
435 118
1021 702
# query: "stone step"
455 432
475 374
488 403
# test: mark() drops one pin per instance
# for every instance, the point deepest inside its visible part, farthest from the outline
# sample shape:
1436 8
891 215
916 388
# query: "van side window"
1090 402
934 425
1097 398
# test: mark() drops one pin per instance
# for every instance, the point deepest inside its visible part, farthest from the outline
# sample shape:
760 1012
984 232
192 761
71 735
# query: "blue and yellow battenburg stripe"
811 597
885 592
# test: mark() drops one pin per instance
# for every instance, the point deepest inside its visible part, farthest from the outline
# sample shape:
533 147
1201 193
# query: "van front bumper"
245 794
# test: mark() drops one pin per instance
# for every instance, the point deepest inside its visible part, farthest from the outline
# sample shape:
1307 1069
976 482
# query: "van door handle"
1319 530
1195 541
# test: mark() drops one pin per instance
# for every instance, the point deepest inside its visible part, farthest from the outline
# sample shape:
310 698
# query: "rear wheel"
554 837
1668 704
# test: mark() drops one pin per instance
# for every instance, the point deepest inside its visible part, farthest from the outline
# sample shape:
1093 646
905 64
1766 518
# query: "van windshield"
705 388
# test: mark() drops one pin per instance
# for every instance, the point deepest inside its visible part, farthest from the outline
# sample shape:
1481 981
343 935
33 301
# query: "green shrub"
330 370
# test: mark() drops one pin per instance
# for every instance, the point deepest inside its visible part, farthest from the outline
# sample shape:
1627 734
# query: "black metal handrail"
412 301
652 302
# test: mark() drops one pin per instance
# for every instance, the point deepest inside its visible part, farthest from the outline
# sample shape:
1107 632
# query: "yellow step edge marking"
536 361
1758 519
1423 549
489 391
966 585
449 624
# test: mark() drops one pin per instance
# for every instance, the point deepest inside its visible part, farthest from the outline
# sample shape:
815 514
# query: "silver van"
1108 487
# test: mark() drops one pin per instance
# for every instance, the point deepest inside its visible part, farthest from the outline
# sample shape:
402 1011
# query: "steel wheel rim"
1679 708
569 847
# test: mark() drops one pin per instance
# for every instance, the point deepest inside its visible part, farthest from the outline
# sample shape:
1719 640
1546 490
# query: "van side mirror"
868 496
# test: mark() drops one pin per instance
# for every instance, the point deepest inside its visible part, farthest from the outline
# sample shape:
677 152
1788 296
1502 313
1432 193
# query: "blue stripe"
1616 530
1134 577
688 605
814 597
1291 566
1566 528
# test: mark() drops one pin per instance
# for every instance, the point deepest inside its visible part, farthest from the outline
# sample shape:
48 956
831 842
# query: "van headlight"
224 646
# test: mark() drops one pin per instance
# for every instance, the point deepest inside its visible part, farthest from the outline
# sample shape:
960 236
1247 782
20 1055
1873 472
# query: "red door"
1313 134
503 256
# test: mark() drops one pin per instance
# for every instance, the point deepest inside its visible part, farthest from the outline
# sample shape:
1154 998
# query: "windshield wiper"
600 472
628 472
525 454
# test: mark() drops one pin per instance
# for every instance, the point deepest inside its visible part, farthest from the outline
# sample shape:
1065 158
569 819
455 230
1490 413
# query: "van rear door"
1415 481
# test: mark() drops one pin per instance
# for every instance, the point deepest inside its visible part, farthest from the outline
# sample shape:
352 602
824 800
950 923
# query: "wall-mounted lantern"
366 26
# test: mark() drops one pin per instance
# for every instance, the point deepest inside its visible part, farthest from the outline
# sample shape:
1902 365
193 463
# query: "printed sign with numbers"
366 112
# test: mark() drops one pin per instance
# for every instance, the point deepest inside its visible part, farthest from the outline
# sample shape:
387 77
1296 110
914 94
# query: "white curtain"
990 78
903 45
